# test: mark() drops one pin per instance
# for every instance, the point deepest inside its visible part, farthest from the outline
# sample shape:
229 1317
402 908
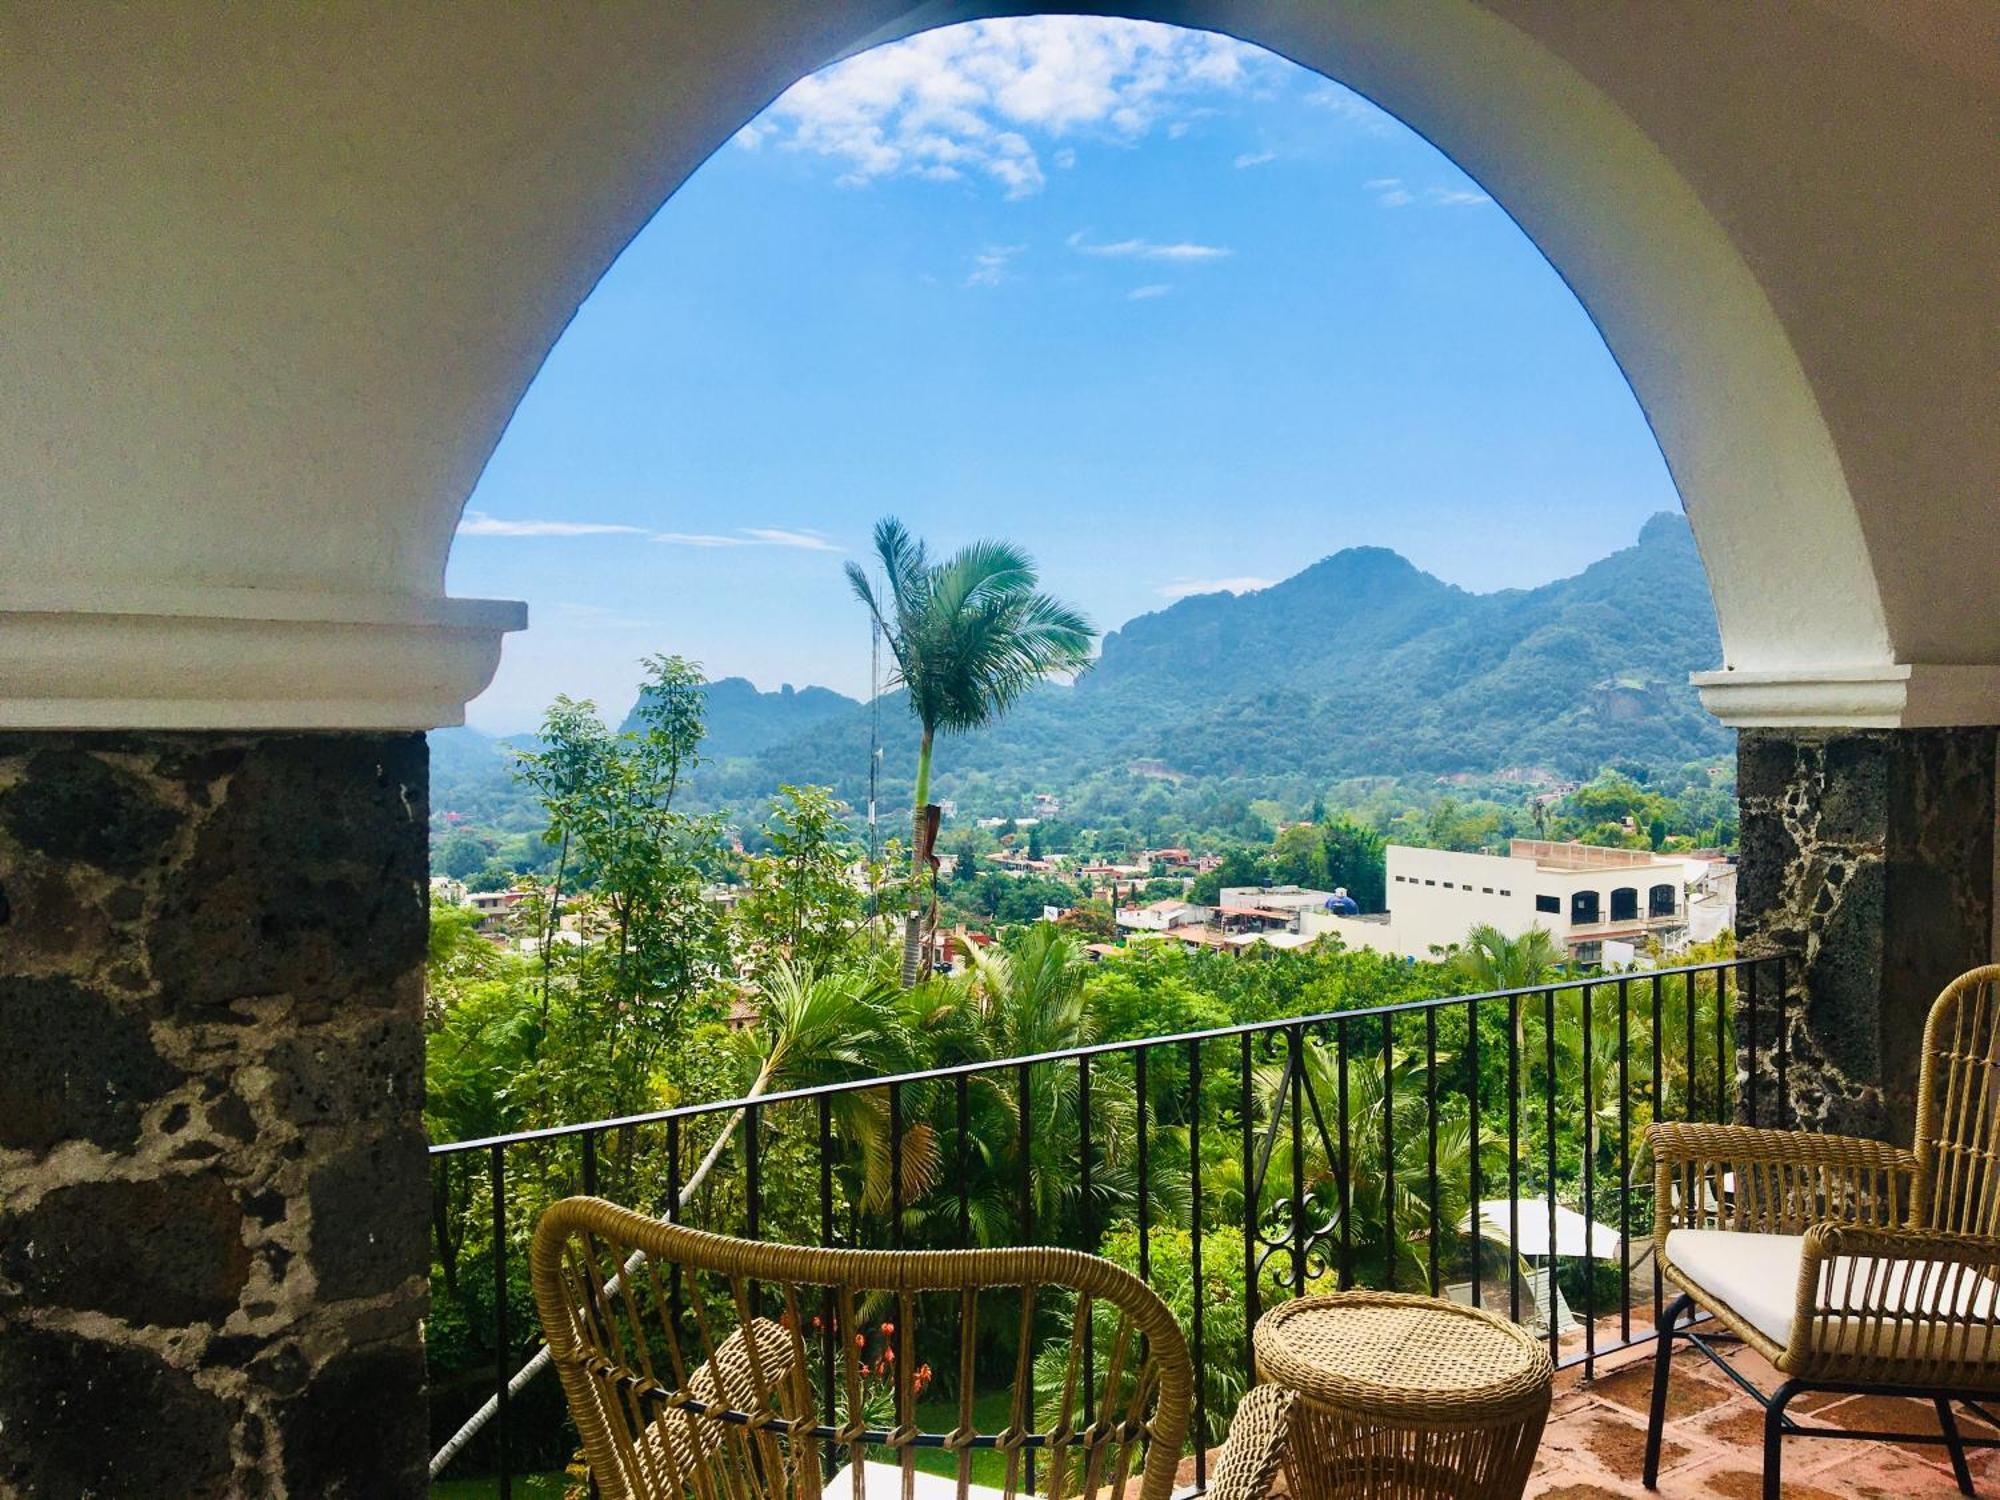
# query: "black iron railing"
1359 1135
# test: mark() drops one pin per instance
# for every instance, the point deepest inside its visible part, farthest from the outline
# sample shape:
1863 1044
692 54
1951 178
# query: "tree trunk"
923 867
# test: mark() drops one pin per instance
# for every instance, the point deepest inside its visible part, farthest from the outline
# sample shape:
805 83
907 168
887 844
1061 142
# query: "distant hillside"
1361 665
742 721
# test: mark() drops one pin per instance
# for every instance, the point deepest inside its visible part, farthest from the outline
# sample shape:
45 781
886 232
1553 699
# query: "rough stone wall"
1869 853
213 1189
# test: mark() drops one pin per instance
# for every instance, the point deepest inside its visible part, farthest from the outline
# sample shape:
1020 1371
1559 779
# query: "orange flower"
861 1341
888 1330
889 1356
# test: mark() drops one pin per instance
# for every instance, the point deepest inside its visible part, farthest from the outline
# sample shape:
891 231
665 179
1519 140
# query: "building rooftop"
1551 855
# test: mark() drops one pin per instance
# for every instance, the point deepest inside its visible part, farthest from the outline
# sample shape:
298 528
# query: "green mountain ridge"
1360 665
743 721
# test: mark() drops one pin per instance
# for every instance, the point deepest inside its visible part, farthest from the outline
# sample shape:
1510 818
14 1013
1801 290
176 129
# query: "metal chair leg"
1774 1436
1663 1353
1952 1441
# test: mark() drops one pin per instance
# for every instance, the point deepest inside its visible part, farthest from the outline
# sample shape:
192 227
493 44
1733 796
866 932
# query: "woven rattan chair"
724 1369
1850 1265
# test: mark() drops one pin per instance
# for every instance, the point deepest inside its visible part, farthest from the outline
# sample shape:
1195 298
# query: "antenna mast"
874 756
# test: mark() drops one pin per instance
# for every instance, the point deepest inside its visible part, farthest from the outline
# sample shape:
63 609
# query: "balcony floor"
1596 1440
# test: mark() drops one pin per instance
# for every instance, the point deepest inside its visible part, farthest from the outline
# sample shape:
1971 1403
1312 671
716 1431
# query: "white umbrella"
1575 1235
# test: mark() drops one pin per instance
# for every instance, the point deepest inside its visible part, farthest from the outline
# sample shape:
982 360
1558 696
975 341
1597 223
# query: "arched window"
1660 901
1583 907
1625 904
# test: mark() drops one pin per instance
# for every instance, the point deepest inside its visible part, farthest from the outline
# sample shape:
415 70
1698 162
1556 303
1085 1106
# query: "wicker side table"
1405 1398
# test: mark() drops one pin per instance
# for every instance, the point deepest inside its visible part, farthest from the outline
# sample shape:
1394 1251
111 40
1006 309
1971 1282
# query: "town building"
1164 915
1600 905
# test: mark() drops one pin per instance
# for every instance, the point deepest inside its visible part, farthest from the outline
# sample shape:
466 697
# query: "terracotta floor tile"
1620 1444
1689 1392
1907 1414
1726 1483
1594 1444
1878 1472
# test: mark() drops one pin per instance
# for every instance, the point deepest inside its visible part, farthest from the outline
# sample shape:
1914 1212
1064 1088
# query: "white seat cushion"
1757 1276
885 1482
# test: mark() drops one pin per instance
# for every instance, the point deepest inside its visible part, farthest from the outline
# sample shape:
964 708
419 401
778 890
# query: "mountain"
742 721
1361 665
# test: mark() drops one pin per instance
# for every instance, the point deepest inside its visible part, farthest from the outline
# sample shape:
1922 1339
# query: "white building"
1163 915
1584 896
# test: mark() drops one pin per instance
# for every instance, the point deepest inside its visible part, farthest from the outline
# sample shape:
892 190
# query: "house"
1585 896
1163 915
1105 870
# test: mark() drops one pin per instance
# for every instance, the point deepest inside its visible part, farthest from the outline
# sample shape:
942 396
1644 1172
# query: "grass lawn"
526 1487
990 1412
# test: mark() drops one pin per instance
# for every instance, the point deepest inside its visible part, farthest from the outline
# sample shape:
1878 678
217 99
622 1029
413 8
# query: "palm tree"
970 635
812 1028
1490 960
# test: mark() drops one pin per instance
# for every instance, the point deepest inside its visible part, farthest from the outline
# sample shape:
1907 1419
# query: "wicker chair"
1851 1265
710 1368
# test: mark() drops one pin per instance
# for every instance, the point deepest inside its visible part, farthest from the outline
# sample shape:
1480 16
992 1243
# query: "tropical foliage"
658 969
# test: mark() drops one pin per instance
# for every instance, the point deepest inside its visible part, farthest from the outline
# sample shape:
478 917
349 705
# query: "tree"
573 748
463 854
1357 858
1298 857
1239 867
1091 920
969 636
1490 960
811 1029
802 908
653 948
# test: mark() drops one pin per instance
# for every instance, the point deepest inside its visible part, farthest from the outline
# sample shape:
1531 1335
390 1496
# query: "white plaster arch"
276 281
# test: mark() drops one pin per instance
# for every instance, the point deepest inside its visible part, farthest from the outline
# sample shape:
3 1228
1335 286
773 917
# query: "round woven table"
1405 1398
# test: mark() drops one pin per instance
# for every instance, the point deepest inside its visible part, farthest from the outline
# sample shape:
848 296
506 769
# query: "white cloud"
1145 293
1255 158
748 536
1393 192
1147 249
779 536
989 266
700 539
478 523
965 100
1345 104
1182 588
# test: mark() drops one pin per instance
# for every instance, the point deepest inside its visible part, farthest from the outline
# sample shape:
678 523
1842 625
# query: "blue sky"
1171 312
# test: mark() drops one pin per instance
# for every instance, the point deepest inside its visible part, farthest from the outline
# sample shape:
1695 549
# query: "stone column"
1869 855
213 1259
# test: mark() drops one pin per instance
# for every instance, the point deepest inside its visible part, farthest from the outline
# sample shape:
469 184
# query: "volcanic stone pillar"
1868 854
213 1200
